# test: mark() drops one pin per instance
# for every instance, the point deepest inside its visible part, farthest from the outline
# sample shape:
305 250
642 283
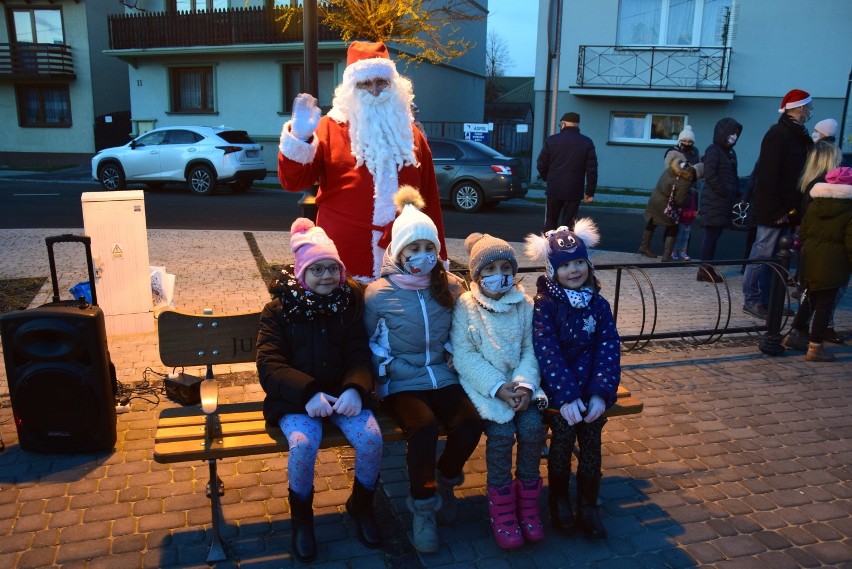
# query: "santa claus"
361 153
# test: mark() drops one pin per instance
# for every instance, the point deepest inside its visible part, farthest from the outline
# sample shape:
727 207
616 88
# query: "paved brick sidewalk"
738 460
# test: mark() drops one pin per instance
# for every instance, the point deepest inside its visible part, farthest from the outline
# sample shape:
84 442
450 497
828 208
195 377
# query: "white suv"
201 156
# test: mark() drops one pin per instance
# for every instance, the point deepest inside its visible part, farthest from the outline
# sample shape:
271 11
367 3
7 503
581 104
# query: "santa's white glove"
306 116
320 405
349 403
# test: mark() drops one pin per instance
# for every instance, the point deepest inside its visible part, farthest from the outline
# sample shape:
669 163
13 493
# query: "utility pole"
310 84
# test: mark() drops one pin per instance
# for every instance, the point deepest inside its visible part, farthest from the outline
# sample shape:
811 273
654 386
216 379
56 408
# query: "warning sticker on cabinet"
117 253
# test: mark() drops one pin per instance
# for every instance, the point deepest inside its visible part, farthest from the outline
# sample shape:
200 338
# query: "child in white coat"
493 355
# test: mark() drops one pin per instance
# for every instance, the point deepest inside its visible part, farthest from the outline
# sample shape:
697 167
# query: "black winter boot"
360 508
559 500
588 511
303 543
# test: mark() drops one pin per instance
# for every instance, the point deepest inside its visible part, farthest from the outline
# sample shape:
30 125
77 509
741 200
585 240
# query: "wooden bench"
239 429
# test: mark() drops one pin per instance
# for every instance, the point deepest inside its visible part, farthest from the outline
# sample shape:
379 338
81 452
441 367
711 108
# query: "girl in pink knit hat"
313 361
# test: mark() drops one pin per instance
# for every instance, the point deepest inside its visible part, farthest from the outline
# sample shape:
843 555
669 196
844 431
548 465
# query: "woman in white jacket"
493 355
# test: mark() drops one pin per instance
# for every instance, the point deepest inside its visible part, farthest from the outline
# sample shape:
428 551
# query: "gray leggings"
500 437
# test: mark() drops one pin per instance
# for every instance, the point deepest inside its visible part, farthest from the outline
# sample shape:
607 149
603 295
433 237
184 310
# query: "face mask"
497 284
420 264
732 139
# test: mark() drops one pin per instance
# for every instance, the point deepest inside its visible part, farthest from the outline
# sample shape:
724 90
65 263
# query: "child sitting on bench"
313 361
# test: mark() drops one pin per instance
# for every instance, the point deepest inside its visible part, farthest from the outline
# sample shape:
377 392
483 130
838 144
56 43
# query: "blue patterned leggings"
304 435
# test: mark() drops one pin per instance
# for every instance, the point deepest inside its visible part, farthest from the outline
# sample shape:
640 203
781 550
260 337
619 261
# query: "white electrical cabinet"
115 221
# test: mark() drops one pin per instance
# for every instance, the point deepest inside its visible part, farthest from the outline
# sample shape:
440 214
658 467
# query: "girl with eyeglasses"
313 361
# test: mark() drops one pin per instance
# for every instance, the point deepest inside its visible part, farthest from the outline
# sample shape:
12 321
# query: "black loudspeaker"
60 385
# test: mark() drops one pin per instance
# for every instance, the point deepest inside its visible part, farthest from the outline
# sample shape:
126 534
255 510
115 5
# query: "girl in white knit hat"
408 314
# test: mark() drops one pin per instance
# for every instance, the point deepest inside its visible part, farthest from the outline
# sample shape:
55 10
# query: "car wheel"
467 197
155 185
241 186
111 176
202 180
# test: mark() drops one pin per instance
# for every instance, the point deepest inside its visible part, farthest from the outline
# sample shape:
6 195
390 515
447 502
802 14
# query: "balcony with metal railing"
697 69
230 27
36 61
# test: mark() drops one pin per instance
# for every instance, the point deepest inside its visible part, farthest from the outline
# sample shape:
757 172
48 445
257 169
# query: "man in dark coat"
776 199
720 191
569 165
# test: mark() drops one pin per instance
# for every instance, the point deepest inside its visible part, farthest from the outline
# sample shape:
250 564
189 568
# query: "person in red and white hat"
361 153
776 198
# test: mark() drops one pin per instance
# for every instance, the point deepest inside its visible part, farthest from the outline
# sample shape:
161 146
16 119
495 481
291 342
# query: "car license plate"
251 153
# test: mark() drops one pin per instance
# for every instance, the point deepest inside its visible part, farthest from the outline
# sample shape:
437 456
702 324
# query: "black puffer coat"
308 344
721 190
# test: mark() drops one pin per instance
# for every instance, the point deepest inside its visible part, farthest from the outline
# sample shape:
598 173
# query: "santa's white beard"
380 131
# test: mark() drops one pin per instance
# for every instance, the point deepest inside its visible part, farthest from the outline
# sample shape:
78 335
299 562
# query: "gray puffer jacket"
409 336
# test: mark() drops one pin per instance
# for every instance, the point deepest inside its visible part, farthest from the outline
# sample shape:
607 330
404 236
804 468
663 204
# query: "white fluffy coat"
492 345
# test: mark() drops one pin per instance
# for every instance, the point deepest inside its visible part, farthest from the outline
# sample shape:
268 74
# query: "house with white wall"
638 70
55 81
231 62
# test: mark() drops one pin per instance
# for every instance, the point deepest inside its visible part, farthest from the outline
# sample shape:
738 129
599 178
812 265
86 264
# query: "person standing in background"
569 165
777 199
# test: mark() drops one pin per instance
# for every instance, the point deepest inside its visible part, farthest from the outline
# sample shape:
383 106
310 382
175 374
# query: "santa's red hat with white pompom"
368 60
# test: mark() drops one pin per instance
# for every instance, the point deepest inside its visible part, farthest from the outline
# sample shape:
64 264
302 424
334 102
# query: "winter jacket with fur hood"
492 345
682 177
409 335
578 349
826 233
310 343
721 180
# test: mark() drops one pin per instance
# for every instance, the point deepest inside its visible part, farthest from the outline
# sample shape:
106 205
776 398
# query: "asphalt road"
55 203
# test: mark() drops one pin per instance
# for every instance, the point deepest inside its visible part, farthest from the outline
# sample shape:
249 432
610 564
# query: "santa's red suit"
355 213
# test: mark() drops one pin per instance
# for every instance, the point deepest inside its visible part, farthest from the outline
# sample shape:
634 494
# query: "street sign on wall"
477 131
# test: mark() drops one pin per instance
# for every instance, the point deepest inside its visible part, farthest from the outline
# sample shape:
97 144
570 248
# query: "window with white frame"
695 23
191 89
202 5
651 128
292 74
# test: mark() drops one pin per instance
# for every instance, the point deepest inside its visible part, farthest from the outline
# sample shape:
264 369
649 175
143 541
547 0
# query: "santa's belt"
385 230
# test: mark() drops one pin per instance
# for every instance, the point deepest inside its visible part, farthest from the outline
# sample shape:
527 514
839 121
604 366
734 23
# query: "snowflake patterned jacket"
578 349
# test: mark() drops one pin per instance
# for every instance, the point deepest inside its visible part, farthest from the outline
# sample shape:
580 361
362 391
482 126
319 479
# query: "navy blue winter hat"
561 245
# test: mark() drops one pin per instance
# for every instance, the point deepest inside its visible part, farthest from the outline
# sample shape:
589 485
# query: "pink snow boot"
504 521
529 517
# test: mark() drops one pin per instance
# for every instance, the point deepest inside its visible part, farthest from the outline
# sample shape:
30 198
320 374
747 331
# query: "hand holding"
507 394
596 409
306 116
320 405
588 199
523 396
349 403
573 412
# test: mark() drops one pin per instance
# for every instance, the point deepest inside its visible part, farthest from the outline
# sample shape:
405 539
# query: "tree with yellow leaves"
426 30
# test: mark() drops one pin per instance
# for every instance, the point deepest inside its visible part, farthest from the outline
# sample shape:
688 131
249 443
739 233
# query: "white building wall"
776 47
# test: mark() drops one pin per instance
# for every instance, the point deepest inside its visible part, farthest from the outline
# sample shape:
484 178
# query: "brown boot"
668 246
645 247
816 353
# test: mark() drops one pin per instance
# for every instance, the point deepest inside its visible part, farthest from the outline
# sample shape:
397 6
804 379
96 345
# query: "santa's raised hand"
306 116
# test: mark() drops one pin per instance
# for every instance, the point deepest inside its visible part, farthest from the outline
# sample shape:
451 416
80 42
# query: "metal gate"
112 129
